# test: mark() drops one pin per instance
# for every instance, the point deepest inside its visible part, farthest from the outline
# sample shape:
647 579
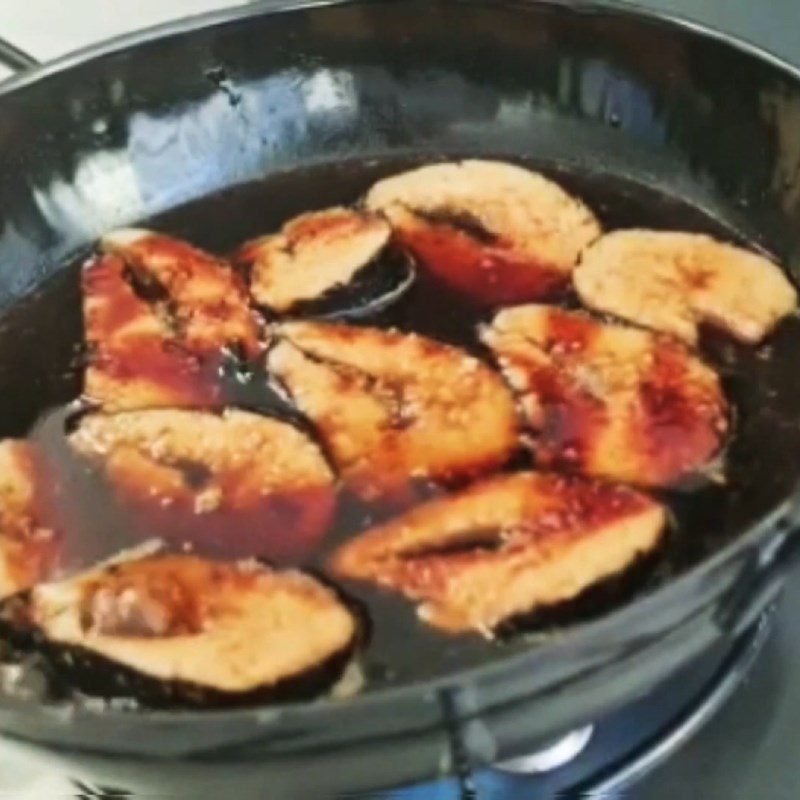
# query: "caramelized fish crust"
505 547
229 627
673 282
394 408
312 255
160 317
608 400
495 232
28 540
245 483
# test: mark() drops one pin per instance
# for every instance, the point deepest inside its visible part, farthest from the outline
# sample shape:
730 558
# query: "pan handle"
15 59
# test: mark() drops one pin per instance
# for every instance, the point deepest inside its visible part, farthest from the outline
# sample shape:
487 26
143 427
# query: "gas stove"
724 728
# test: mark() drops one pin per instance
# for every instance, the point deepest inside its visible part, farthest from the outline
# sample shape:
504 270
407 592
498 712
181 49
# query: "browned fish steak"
160 316
609 400
229 629
505 547
495 232
312 255
235 482
28 540
673 282
395 408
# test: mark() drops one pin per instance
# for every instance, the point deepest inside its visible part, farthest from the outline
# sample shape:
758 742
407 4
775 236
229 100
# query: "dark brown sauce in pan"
41 374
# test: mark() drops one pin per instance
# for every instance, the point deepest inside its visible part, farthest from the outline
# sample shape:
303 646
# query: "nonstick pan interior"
705 514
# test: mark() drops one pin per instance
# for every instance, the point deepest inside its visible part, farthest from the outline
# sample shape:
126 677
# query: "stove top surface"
749 749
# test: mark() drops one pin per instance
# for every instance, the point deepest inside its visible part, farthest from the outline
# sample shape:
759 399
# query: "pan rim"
259 8
584 633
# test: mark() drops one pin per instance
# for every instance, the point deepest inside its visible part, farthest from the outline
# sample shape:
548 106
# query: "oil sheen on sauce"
400 648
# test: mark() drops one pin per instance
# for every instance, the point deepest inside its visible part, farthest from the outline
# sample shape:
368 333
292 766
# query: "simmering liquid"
40 377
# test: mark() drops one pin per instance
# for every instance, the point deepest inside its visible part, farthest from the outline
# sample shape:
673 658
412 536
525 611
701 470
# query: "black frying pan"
220 127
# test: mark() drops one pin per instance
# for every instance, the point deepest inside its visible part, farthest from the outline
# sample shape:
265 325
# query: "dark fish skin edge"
594 601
